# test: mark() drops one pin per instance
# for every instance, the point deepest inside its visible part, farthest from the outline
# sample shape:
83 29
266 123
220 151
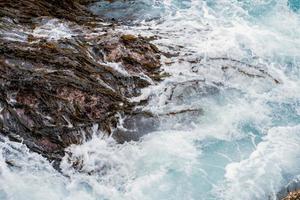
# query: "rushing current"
235 65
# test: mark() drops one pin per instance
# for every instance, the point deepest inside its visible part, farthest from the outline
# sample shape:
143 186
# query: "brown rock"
53 91
293 196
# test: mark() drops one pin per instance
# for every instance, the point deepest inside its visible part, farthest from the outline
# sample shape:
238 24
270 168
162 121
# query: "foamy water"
237 65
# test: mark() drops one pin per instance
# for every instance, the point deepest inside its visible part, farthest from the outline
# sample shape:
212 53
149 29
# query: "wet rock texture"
55 86
293 196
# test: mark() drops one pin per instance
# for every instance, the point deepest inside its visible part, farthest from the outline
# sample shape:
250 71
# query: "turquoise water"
294 5
245 144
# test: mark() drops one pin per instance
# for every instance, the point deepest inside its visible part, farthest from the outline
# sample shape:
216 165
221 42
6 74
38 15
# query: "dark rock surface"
55 86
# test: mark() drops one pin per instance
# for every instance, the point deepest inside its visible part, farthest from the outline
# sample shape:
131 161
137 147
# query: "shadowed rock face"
26 11
56 84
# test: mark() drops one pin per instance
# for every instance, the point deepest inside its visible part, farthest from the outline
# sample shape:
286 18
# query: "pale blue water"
244 145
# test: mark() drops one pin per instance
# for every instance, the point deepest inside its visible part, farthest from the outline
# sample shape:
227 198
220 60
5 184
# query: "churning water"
236 66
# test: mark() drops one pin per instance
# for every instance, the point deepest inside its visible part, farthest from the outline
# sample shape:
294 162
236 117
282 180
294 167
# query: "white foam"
268 168
188 156
53 29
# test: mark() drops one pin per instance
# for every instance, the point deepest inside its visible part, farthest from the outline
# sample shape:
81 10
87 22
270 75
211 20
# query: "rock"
128 38
291 191
136 54
56 84
28 10
293 196
134 126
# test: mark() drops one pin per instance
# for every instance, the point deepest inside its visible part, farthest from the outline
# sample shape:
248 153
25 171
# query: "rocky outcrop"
26 11
56 84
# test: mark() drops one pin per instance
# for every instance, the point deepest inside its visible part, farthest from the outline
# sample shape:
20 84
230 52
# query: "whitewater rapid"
237 64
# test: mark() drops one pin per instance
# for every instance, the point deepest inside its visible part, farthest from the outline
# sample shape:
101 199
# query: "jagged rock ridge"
56 84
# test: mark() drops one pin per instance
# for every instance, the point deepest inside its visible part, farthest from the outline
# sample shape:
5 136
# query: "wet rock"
26 11
293 196
181 93
134 126
126 11
291 191
62 70
229 65
128 38
136 54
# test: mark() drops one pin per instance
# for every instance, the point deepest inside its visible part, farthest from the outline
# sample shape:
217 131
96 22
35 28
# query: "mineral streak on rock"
56 84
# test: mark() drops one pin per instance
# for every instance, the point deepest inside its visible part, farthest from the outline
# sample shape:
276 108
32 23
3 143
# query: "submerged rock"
64 70
127 11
